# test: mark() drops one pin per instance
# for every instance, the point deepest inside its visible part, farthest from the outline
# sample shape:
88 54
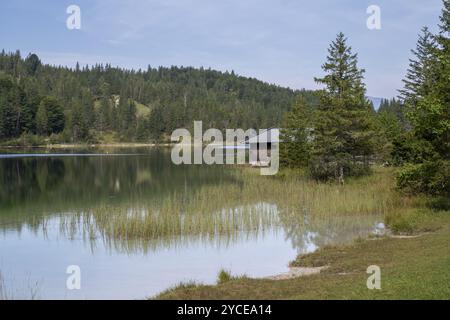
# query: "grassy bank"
414 260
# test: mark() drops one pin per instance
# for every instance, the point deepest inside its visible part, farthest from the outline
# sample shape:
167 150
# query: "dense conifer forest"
85 104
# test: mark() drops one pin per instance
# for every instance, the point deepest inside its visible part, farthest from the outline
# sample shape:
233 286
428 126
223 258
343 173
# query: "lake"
136 224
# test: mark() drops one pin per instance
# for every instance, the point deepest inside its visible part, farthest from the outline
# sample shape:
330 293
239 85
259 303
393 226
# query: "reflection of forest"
308 233
143 202
33 187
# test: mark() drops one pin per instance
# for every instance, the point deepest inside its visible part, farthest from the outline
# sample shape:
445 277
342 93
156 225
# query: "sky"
278 41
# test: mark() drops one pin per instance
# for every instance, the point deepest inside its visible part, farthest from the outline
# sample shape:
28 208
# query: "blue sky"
278 41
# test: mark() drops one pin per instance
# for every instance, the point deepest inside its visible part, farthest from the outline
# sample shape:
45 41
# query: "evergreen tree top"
444 26
416 82
343 76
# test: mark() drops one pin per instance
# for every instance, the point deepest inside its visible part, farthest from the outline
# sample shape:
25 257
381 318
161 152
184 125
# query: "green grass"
142 110
412 220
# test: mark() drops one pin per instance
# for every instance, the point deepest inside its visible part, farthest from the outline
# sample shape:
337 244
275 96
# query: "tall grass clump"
223 276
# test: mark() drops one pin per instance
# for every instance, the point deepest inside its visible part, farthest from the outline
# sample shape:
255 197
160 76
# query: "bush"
26 139
224 276
407 149
325 171
430 177
412 220
439 203
56 138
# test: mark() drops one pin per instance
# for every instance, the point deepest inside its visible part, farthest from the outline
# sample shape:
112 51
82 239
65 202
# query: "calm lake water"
125 218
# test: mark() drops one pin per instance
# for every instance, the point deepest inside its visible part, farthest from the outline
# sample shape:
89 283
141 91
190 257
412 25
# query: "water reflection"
142 202
143 213
31 188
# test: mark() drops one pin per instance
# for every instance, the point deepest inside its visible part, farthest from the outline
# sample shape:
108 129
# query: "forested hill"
88 103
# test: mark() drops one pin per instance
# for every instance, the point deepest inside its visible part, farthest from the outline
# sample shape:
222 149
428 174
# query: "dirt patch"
402 236
295 272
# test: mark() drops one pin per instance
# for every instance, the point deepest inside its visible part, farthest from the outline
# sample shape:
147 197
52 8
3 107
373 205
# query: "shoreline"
116 145
94 145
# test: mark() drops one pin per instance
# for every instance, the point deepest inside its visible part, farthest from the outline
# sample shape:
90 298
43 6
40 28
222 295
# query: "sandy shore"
295 272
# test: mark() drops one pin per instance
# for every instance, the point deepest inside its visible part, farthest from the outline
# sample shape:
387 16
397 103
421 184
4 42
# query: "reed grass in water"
250 207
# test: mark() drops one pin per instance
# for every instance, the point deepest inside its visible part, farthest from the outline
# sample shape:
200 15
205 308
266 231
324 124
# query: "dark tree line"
83 104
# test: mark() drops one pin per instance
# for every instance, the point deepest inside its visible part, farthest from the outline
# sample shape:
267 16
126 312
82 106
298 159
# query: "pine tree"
104 115
6 118
342 133
142 129
295 136
8 108
87 104
441 91
104 121
126 114
114 117
32 64
79 127
395 108
130 119
390 130
429 104
122 113
51 111
429 114
157 125
419 78
42 120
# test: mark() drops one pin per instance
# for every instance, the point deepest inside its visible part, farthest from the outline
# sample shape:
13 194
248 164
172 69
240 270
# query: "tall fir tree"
157 124
122 112
343 126
32 64
442 88
87 103
419 77
6 118
104 115
429 114
8 108
429 101
54 113
78 126
42 120
295 136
